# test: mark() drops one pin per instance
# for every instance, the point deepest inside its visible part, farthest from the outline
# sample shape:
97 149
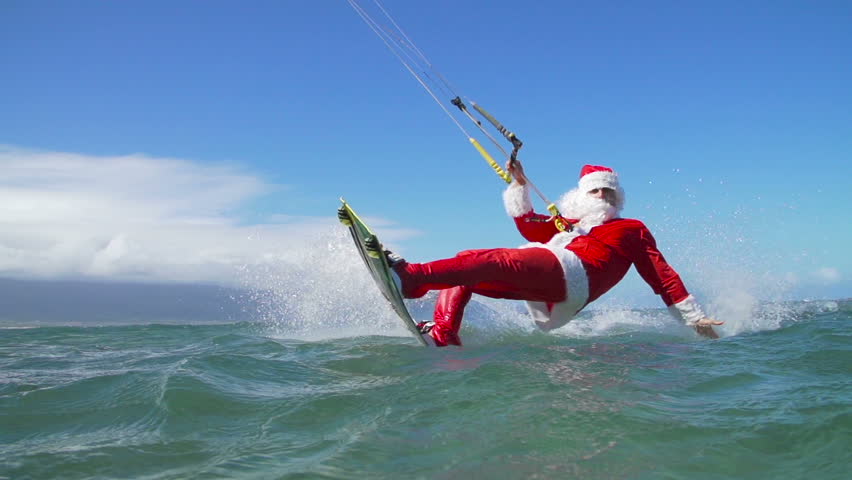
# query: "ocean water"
618 394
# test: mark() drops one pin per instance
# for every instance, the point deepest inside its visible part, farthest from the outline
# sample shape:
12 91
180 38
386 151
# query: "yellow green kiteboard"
372 252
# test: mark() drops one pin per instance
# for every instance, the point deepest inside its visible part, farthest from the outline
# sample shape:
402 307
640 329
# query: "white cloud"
138 217
39 186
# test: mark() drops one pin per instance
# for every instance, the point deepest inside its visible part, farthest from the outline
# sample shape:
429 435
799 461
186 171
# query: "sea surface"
624 394
639 398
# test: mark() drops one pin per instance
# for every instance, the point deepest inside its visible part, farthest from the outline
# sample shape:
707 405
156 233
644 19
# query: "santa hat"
596 176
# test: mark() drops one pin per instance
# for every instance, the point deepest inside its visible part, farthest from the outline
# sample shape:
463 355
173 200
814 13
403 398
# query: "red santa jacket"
596 260
608 251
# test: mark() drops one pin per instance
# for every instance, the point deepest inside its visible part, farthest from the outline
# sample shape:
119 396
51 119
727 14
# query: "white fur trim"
687 310
599 179
576 284
516 199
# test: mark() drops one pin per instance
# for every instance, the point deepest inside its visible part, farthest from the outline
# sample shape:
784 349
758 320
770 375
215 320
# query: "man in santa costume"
562 270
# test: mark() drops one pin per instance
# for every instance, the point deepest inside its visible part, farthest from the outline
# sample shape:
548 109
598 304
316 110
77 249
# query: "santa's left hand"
704 327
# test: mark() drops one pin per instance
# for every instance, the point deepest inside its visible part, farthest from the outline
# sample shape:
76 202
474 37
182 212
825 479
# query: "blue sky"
219 121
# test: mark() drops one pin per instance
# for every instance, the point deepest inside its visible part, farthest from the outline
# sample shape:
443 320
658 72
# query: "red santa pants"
532 274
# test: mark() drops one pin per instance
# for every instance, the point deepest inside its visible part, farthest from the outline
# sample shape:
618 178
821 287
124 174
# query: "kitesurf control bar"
516 142
500 172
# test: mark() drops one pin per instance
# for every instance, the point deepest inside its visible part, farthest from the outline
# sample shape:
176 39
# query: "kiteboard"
372 253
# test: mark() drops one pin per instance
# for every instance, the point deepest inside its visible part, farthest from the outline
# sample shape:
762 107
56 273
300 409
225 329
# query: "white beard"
589 210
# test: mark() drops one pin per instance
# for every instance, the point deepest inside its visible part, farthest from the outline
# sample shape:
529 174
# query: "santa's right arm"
663 279
533 227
